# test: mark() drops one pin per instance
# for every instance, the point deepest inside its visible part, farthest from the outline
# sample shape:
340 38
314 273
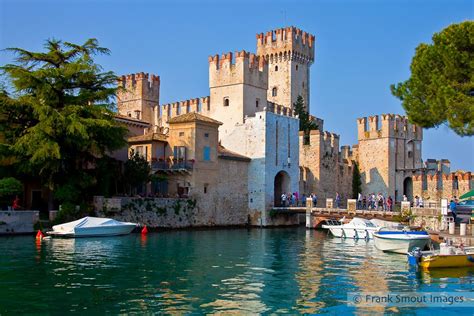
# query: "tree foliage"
441 87
306 124
10 186
136 171
356 181
57 120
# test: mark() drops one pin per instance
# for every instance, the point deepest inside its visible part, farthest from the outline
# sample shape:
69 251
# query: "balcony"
172 166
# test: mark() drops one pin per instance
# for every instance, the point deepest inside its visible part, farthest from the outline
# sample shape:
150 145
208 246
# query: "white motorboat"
92 227
357 228
400 241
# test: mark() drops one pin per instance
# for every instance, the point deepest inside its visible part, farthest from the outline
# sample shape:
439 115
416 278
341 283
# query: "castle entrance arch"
281 185
408 188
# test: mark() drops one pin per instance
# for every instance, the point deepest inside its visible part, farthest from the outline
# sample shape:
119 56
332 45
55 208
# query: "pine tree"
57 119
356 181
306 124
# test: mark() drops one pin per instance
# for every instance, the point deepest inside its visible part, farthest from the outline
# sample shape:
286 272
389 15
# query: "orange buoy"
39 235
145 230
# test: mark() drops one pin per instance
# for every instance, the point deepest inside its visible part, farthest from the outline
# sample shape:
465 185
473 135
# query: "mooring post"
309 218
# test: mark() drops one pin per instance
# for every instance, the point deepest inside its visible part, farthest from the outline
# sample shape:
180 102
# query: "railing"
166 165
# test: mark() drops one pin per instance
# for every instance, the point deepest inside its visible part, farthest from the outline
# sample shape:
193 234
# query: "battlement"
388 125
137 79
295 43
198 105
279 109
241 68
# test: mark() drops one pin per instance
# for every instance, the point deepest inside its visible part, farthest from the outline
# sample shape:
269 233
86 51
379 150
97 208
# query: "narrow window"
181 134
206 135
129 114
274 92
226 101
296 67
276 68
207 153
205 188
137 114
257 102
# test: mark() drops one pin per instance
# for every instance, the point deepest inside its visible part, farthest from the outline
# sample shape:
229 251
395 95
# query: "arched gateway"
281 185
408 188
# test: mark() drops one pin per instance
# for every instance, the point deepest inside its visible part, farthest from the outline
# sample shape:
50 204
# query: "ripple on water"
221 271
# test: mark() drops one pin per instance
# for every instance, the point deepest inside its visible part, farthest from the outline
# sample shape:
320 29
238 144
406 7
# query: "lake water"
284 270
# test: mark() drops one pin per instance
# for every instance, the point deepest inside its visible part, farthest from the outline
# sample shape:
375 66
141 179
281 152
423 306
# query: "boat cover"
86 222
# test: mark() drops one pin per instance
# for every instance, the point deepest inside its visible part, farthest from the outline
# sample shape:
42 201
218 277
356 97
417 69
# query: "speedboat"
400 241
357 228
445 257
92 227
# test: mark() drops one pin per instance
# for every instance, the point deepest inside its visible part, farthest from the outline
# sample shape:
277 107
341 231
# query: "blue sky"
361 47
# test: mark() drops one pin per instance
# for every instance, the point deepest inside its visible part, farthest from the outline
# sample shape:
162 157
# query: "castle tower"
389 154
290 53
238 88
138 97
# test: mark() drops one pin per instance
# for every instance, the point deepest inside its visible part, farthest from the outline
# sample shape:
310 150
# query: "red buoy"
39 235
145 230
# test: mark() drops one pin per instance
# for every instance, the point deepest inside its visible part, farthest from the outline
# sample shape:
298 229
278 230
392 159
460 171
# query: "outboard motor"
414 256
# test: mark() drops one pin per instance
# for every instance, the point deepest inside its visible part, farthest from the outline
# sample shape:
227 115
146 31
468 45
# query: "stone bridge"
316 216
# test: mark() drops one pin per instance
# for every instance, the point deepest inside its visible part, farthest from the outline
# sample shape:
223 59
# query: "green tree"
306 124
136 171
441 87
356 181
57 120
9 187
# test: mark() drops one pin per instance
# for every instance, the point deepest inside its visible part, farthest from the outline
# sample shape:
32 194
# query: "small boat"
400 241
357 228
92 227
445 257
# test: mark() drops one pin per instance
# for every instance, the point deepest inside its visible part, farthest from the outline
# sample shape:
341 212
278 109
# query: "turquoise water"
245 271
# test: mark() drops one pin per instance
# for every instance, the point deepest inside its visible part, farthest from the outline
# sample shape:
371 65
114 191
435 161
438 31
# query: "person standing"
452 207
283 199
315 199
359 201
389 203
338 199
16 203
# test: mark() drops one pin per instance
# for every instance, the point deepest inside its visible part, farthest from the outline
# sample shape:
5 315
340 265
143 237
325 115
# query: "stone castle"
238 149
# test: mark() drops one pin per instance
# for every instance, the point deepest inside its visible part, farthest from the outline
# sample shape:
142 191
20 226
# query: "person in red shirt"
16 203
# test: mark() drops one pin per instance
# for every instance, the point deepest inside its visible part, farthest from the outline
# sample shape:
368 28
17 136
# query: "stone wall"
18 222
172 212
270 140
324 170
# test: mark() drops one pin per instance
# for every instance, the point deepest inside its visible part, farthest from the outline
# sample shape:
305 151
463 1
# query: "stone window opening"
296 67
274 92
226 101
205 187
137 114
410 154
257 102
206 135
129 114
276 68
181 134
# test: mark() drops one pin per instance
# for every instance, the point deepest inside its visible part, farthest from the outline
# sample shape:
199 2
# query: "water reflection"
220 271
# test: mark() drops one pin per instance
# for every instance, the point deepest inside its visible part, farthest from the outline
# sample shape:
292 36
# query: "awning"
467 195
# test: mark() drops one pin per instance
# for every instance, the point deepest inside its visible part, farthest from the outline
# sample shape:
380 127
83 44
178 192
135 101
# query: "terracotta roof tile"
228 154
192 117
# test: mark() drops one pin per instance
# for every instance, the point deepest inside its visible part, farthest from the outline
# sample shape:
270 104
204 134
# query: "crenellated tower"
389 154
238 88
290 53
138 97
